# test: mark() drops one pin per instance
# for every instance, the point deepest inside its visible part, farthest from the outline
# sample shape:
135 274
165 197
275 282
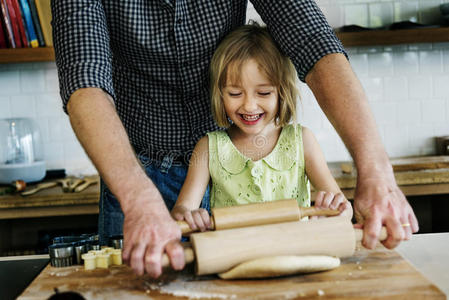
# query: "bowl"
28 172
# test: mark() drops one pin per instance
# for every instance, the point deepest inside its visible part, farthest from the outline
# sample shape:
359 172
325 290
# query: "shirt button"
256 189
179 20
255 172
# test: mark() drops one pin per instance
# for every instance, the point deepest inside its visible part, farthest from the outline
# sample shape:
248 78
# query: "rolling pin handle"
382 236
186 230
313 211
189 257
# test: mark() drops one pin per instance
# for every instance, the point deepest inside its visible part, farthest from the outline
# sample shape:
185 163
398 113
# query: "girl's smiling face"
252 102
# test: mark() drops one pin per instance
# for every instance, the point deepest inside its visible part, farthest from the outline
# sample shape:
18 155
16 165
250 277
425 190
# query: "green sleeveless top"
236 179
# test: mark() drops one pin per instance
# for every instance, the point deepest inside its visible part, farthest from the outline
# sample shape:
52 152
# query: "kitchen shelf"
20 55
393 37
349 39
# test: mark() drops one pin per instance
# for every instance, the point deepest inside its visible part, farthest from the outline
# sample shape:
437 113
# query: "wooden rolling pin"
271 212
219 251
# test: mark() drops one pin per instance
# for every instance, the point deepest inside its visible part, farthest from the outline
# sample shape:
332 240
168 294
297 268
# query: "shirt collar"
282 158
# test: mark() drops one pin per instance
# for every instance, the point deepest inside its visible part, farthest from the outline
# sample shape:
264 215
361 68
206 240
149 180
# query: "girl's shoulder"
217 136
216 133
216 139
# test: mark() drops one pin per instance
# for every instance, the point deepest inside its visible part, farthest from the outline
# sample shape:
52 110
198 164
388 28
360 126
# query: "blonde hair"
253 42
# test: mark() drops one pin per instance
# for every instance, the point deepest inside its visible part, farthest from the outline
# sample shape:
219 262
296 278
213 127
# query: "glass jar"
21 151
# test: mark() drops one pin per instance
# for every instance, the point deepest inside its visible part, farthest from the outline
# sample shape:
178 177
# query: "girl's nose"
250 104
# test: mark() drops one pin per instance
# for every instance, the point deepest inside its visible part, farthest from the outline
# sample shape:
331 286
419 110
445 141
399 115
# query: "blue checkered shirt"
152 57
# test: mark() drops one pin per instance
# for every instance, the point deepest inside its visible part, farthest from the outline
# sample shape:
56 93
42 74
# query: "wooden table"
369 274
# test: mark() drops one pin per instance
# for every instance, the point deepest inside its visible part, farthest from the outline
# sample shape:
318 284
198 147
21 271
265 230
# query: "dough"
275 266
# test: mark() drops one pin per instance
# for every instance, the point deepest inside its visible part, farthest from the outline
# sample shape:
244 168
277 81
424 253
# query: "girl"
260 157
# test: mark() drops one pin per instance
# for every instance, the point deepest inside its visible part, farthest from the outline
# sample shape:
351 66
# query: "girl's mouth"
251 119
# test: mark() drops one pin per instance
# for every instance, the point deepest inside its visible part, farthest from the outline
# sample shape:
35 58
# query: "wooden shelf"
20 55
393 37
349 39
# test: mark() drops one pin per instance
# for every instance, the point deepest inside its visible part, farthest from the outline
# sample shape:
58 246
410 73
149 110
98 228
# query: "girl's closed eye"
265 91
234 94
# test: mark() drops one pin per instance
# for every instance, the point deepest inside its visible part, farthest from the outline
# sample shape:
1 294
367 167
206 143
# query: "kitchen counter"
415 176
427 252
427 175
17 272
50 202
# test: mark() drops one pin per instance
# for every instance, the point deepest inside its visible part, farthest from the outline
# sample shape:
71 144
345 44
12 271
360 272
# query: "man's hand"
378 201
148 228
148 231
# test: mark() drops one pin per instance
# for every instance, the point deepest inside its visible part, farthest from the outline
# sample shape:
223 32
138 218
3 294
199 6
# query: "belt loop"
166 163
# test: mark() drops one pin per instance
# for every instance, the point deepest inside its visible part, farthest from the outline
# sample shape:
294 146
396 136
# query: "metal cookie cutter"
116 241
61 254
67 250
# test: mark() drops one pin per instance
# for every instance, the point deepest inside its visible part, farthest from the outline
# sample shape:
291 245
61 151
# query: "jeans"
167 177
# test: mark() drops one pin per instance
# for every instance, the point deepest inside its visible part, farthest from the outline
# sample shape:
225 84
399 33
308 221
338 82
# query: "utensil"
271 212
87 181
116 241
68 250
65 184
39 187
61 254
74 183
219 251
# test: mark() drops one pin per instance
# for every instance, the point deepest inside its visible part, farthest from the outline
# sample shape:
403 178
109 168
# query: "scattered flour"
182 289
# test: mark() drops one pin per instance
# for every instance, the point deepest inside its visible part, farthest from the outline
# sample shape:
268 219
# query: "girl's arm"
329 193
192 191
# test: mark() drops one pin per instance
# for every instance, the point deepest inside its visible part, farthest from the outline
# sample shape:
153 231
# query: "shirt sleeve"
301 30
81 42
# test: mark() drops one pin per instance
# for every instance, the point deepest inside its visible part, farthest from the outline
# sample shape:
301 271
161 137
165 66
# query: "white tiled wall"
31 90
407 87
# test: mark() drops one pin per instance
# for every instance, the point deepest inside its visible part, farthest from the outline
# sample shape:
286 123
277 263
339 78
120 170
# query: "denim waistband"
164 163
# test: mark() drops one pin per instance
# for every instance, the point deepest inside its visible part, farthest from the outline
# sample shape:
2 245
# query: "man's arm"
148 228
378 200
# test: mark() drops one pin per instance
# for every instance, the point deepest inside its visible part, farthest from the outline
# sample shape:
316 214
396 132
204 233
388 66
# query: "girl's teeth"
251 117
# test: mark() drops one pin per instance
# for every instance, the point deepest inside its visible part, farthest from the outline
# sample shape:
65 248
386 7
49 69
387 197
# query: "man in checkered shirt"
134 80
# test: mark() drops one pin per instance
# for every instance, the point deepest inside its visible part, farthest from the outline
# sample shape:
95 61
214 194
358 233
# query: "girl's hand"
197 218
333 201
